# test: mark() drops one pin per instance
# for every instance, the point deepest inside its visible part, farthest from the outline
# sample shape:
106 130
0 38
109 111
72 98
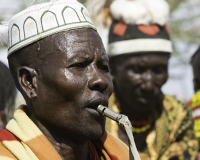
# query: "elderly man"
60 66
139 49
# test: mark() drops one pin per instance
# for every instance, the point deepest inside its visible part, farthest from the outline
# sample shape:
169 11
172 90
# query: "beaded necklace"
142 126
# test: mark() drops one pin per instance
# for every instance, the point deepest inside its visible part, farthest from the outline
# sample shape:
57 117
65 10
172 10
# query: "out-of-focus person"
7 95
195 59
139 48
194 104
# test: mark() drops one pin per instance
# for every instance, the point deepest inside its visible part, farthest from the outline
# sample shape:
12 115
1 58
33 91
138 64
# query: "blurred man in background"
195 59
139 48
7 95
194 104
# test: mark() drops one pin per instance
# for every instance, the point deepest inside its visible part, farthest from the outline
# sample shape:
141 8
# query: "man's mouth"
148 95
96 102
92 105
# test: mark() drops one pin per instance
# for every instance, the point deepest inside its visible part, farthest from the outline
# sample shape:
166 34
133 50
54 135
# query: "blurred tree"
185 21
82 1
174 4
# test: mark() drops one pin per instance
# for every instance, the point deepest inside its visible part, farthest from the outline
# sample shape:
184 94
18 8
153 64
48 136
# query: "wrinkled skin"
138 80
65 90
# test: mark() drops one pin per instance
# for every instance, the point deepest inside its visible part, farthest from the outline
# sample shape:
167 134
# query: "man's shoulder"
178 112
6 138
172 105
178 115
114 147
5 135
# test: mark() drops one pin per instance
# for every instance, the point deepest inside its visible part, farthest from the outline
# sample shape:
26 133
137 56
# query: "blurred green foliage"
184 21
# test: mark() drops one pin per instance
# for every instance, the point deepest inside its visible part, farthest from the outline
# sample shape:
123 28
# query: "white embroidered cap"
42 20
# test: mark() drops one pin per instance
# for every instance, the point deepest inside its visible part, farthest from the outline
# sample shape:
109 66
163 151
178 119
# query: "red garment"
93 152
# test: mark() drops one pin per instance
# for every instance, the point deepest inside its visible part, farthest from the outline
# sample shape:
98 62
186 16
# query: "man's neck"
150 115
66 147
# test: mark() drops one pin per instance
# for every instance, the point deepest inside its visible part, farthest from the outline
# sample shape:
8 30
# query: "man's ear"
27 78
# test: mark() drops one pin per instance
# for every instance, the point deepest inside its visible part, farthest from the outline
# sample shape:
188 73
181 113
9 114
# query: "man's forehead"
83 39
86 50
81 34
72 45
144 59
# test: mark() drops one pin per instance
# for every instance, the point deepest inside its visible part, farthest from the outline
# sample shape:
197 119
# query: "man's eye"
159 69
104 68
79 65
136 69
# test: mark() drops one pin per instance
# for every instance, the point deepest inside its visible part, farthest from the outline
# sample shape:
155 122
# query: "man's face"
73 80
139 78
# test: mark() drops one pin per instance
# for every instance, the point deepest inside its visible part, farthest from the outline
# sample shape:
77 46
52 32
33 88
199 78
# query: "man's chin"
87 135
146 103
96 134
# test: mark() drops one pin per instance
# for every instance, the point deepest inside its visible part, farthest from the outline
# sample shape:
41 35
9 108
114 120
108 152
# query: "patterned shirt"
173 135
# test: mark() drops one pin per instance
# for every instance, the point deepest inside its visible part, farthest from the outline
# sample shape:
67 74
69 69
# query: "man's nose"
97 81
148 82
